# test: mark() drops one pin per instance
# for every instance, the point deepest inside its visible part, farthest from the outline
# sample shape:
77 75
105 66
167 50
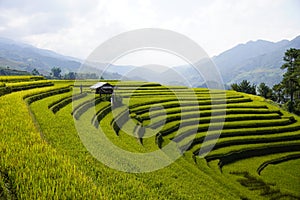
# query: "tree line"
287 92
56 74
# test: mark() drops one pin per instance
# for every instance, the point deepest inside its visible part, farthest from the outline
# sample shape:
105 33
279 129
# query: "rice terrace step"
233 145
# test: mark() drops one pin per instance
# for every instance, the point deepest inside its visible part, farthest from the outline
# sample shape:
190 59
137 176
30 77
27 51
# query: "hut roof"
99 85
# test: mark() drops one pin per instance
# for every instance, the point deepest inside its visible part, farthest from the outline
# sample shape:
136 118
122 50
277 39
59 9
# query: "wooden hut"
103 88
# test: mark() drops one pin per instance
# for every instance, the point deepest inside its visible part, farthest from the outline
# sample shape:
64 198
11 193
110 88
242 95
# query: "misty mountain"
20 56
256 61
152 73
25 57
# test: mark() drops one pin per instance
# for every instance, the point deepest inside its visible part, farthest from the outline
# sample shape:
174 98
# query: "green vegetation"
35 72
28 85
30 168
56 72
20 78
234 145
6 71
245 87
287 92
265 91
291 78
10 84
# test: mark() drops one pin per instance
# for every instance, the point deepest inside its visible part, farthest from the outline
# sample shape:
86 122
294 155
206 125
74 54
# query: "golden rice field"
216 144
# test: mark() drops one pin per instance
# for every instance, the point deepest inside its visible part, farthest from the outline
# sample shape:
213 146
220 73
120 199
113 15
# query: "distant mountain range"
26 57
256 61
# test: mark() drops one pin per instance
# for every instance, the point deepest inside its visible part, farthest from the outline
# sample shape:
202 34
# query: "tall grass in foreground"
29 167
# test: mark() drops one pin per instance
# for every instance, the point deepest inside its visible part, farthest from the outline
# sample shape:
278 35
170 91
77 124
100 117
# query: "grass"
59 104
235 128
62 98
285 175
177 120
182 108
28 85
206 113
231 154
64 137
10 84
82 108
32 168
8 79
277 161
141 108
45 154
102 111
277 178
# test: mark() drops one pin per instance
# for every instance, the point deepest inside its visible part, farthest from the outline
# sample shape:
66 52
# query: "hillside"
194 143
25 57
256 61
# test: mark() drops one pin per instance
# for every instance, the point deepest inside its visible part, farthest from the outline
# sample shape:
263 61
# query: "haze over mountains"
256 61
26 57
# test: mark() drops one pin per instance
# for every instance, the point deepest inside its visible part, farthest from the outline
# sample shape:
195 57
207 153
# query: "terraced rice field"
230 145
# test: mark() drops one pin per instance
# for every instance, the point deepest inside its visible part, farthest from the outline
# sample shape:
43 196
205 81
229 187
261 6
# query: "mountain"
151 72
25 57
257 61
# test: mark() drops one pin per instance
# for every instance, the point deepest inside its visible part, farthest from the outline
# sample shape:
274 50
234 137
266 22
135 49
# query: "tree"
70 76
278 93
56 72
35 72
245 87
235 87
264 91
291 78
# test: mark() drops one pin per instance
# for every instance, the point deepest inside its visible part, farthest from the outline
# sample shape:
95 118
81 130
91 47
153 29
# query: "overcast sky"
75 28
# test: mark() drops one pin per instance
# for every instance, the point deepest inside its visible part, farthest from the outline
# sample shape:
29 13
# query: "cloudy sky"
75 28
